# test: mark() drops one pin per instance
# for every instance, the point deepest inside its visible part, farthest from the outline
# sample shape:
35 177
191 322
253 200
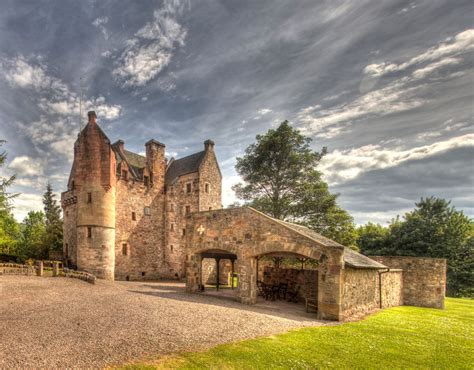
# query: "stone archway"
248 233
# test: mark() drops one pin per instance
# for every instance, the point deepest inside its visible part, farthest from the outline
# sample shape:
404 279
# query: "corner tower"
92 183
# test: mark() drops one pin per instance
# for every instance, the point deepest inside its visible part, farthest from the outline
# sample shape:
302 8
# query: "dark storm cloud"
382 84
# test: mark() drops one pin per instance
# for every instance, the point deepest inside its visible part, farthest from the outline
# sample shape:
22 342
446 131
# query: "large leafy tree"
32 236
280 179
53 238
9 228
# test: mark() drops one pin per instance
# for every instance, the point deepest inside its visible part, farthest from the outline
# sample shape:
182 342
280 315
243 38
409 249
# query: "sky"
386 86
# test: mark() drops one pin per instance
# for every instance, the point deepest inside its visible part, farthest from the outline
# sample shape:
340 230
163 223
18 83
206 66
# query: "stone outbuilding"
348 284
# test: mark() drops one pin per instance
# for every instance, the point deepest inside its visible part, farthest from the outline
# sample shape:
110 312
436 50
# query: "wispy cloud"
100 24
152 47
401 94
342 165
461 43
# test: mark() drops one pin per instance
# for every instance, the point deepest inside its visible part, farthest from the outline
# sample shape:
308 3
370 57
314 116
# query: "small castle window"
73 184
184 232
188 209
206 188
124 249
89 232
188 188
171 207
147 211
89 197
145 180
172 227
124 175
134 216
143 273
210 208
171 247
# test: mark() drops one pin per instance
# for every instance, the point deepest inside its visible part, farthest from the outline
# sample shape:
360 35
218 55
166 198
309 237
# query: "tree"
9 228
280 179
372 239
5 182
436 229
53 237
32 236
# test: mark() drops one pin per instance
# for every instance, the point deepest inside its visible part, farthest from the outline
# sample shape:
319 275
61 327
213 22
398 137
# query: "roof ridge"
285 224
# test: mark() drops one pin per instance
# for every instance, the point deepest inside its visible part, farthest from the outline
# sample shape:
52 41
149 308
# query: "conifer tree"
53 239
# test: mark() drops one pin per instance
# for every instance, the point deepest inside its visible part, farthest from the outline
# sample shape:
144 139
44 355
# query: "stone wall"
177 199
360 292
424 279
68 203
392 288
139 243
16 269
304 281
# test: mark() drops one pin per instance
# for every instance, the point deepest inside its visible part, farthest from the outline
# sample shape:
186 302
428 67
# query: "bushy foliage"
433 229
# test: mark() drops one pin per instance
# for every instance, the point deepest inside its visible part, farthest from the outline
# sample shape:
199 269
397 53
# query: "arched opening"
288 281
217 270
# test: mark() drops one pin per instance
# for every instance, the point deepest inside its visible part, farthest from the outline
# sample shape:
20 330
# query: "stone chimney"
119 144
208 145
92 117
155 159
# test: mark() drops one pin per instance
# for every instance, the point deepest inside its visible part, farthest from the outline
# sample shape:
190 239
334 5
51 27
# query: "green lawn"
397 337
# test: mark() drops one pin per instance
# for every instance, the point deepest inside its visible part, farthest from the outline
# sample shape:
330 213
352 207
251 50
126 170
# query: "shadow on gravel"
281 309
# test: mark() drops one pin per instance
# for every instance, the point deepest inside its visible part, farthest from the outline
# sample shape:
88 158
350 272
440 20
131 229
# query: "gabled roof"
135 162
183 166
351 257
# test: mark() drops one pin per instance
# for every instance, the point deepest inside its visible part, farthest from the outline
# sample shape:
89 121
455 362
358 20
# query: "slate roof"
136 162
351 257
183 166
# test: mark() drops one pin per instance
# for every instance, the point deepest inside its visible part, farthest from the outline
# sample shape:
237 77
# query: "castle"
124 213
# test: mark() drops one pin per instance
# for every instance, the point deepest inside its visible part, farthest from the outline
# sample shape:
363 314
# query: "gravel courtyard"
60 322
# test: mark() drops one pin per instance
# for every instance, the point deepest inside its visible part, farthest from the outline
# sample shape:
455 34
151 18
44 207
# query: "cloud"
395 97
152 47
54 96
27 166
26 202
460 44
100 24
398 95
340 166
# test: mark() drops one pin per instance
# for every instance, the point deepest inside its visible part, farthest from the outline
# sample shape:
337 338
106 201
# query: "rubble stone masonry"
424 279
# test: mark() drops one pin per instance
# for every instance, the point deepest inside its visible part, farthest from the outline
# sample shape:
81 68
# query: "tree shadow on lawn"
281 309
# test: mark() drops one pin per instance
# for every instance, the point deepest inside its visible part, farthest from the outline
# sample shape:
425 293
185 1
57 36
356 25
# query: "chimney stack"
208 145
91 116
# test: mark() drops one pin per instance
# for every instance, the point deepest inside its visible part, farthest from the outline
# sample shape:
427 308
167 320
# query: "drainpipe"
380 284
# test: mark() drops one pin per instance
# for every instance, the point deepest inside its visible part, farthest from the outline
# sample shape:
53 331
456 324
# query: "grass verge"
399 337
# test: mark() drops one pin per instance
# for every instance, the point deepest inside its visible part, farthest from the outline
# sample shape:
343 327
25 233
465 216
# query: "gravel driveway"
60 322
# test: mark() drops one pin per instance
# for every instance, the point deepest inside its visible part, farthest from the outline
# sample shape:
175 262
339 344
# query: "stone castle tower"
125 214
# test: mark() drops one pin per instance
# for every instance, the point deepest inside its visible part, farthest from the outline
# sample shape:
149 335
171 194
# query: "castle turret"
93 179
